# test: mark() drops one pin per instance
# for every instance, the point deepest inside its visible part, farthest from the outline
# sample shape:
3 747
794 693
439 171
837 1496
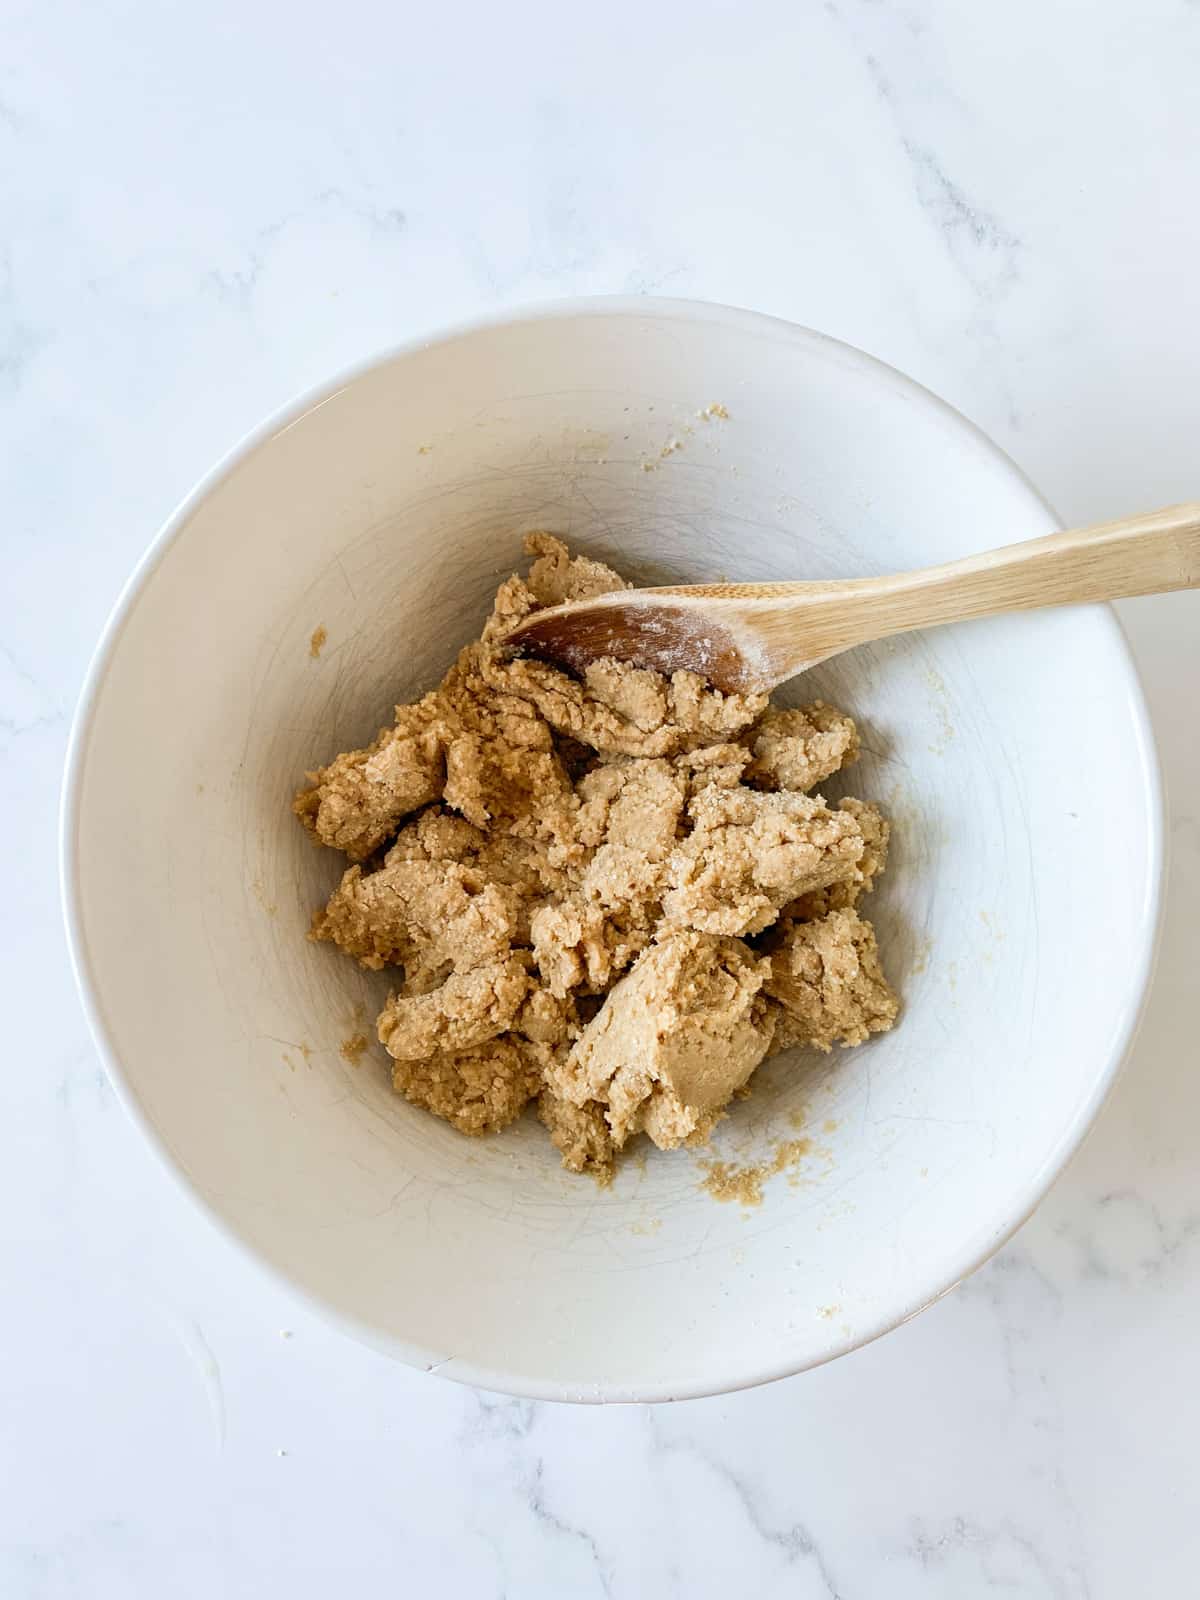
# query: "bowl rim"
960 1266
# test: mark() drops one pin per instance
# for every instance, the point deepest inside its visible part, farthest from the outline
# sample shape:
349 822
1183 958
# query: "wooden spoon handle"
748 637
1145 554
802 623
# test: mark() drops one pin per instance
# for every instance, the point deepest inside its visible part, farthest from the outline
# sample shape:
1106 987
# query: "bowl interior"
1016 916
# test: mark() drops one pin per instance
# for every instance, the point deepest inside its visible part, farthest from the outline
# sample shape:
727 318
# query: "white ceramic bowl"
1017 917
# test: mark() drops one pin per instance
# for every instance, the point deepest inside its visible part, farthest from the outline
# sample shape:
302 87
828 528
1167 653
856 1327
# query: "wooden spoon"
748 637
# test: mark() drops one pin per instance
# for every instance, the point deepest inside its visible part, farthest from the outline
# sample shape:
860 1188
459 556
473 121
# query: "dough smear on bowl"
611 897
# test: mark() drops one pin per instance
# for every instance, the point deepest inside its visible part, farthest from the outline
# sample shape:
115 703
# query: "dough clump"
609 897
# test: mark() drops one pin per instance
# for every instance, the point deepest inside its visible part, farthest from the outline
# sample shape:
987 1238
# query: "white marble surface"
205 209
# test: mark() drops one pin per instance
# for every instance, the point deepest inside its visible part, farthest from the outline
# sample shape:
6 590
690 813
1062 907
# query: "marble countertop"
209 208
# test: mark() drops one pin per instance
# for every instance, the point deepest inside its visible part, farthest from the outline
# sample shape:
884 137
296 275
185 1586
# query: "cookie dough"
748 854
675 1039
801 748
477 1091
610 897
826 978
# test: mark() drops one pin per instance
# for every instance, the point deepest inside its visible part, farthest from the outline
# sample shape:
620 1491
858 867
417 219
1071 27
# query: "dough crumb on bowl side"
609 898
